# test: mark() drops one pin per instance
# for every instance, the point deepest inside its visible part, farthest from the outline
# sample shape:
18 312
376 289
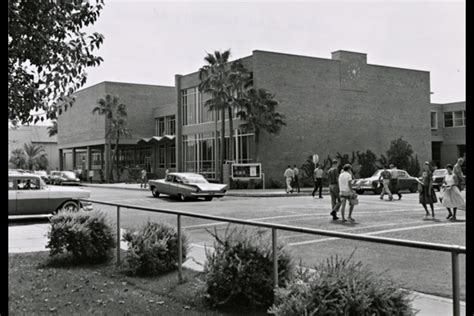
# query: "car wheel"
155 192
360 191
414 188
208 198
181 197
68 206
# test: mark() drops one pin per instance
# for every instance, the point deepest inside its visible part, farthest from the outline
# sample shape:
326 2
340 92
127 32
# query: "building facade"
448 132
342 104
82 137
36 135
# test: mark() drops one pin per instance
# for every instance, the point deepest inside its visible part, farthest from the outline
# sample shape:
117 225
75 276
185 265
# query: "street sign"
246 171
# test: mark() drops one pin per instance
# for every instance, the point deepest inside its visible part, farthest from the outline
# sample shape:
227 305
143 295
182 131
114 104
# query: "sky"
150 41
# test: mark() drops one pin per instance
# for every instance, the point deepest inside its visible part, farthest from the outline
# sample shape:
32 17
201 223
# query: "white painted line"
372 233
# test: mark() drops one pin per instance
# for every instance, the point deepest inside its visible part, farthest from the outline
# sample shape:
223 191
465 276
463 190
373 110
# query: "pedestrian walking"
385 177
458 172
318 180
289 175
333 179
452 197
144 179
346 192
296 181
427 194
393 185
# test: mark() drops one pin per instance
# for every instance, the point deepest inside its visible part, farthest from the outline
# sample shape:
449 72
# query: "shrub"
275 184
86 236
341 287
153 249
240 270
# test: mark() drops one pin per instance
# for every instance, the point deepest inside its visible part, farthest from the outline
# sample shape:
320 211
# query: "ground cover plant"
341 287
153 249
80 237
239 272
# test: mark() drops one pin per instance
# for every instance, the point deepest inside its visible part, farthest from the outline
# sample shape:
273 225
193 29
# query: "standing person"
289 175
296 173
458 172
452 197
346 192
318 180
393 185
143 178
427 194
385 177
333 179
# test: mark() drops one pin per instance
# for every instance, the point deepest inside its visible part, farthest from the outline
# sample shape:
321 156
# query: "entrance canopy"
157 140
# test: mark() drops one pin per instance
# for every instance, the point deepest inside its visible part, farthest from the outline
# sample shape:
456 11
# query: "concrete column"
179 125
89 158
73 158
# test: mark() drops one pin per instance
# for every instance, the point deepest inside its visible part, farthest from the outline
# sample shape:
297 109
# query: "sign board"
246 171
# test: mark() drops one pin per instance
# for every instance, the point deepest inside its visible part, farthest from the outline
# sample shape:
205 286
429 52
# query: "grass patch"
39 286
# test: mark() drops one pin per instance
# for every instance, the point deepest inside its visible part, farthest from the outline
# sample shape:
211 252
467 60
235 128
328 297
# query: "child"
452 197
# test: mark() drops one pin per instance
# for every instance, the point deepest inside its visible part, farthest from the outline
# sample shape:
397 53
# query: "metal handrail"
455 250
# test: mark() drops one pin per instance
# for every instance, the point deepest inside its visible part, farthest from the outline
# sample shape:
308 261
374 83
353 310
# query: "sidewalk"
31 238
241 193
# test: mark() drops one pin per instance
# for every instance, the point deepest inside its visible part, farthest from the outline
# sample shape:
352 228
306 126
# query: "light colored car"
405 182
187 186
64 177
29 195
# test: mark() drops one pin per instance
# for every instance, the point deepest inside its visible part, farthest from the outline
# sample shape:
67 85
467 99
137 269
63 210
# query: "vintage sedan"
64 177
405 182
186 186
29 195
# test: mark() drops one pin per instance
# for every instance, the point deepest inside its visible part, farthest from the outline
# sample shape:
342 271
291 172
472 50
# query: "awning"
156 140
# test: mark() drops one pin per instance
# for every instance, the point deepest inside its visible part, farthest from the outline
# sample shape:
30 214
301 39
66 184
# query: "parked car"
43 174
186 186
64 177
405 182
29 195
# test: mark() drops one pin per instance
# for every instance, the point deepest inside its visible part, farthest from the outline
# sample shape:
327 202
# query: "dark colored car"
405 182
64 177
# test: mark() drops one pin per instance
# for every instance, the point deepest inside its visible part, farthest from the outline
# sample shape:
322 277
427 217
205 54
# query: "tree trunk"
255 150
117 156
216 140
221 165
231 134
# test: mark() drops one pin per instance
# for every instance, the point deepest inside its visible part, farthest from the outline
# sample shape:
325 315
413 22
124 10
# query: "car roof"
22 175
185 174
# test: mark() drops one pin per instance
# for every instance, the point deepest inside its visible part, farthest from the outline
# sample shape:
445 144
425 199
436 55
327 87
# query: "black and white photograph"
258 157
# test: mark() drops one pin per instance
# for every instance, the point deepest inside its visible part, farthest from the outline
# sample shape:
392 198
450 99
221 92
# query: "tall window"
193 109
165 125
455 119
434 120
161 156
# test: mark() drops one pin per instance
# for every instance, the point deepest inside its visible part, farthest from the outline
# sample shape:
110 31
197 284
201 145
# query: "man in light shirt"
345 191
318 180
393 185
289 175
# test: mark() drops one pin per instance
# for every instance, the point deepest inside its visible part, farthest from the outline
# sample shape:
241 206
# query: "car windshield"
194 179
439 172
69 174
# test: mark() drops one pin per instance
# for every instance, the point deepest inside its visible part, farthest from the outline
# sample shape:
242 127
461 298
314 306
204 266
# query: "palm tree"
53 129
116 125
213 80
18 158
35 156
260 116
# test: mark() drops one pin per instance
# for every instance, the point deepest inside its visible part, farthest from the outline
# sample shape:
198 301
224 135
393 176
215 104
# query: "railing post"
180 252
275 257
455 273
118 236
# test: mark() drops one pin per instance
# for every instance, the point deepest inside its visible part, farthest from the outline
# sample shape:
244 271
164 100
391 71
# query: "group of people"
342 192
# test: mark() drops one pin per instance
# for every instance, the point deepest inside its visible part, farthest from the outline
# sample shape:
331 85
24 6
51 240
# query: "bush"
86 236
153 249
240 270
341 287
275 184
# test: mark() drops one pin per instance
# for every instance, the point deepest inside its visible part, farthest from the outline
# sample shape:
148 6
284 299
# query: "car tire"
155 192
181 197
360 191
208 198
414 188
68 206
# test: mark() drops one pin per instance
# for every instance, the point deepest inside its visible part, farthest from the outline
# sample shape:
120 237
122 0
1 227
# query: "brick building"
342 104
82 135
448 132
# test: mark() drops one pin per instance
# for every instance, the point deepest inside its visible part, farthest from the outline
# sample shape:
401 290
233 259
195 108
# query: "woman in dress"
427 194
452 197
